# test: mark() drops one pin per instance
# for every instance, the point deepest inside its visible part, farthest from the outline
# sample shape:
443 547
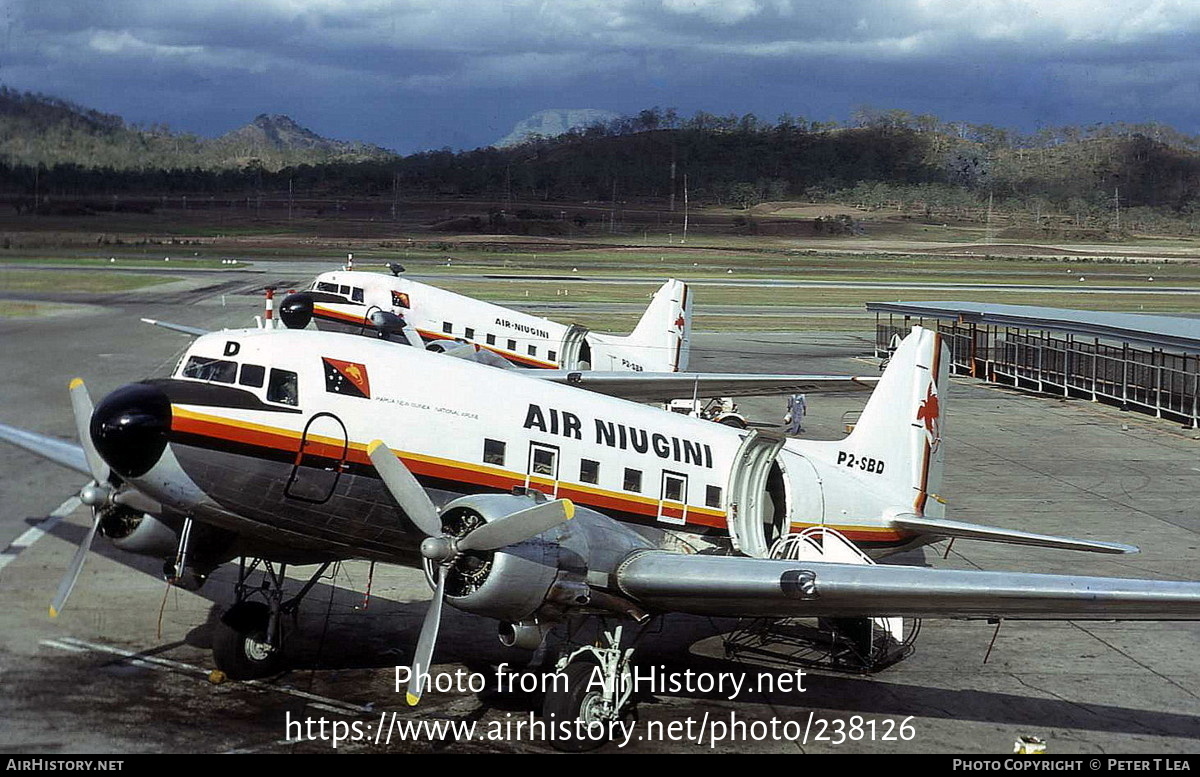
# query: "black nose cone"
130 426
296 310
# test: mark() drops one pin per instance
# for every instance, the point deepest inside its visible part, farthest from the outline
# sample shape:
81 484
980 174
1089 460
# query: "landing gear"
249 639
593 688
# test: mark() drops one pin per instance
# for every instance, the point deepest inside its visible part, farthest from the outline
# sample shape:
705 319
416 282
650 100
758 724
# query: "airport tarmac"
124 668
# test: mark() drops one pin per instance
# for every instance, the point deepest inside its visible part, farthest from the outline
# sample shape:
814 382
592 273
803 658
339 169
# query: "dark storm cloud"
410 75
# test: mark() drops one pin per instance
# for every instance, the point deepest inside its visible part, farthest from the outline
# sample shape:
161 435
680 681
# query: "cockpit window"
283 388
205 368
252 375
356 294
326 286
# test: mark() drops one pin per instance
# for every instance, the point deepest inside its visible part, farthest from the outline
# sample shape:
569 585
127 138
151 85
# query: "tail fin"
902 426
665 329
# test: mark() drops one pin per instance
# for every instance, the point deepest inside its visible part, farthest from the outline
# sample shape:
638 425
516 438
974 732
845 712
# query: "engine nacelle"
135 532
296 310
565 568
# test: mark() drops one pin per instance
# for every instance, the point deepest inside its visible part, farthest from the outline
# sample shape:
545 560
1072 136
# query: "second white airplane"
366 302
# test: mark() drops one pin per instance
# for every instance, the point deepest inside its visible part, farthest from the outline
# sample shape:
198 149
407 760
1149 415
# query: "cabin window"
283 387
633 480
329 287
447 327
493 452
589 471
512 345
491 339
543 461
533 350
356 294
712 496
552 355
673 488
205 368
469 333
252 375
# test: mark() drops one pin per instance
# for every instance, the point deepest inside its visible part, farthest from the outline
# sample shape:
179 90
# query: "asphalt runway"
124 668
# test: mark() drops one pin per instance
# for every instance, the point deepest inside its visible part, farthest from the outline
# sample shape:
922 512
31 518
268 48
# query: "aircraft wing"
739 586
665 386
60 452
195 331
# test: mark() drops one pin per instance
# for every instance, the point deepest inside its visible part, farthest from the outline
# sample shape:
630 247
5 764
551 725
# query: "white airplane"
358 302
536 503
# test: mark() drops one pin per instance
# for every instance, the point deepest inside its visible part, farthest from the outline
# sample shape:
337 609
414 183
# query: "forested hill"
40 130
876 159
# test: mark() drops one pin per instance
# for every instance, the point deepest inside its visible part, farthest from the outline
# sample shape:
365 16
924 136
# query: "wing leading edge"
665 386
739 586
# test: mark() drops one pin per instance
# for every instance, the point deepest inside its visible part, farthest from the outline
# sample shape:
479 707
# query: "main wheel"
240 646
579 702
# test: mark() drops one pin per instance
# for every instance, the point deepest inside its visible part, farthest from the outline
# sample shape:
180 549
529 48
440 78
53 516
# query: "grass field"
59 281
918 256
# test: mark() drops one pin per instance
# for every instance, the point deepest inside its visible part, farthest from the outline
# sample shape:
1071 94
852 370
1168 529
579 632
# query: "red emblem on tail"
930 413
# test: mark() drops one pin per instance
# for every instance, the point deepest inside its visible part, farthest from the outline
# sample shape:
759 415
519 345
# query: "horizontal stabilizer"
740 586
194 331
972 531
665 386
60 452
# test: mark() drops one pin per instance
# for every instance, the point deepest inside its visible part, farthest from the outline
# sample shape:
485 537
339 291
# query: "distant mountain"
553 122
38 129
281 133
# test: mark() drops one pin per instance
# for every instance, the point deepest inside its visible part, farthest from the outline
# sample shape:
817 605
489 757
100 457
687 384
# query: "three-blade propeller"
443 549
95 494
102 494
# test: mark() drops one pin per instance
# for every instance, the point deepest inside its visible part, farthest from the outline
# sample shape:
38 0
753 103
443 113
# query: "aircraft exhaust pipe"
526 635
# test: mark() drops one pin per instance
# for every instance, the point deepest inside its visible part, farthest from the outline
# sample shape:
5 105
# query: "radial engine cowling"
517 581
296 310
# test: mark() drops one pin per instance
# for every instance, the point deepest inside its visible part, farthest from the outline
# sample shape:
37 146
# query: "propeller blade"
405 489
81 404
68 581
427 640
519 526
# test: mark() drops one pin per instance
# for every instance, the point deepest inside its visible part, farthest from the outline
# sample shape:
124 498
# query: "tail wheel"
241 646
577 702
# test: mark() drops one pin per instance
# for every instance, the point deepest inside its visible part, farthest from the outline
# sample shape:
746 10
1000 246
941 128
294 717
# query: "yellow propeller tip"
76 382
53 613
372 445
569 508
413 700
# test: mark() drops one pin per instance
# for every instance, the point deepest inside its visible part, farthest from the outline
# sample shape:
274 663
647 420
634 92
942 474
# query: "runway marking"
155 662
35 533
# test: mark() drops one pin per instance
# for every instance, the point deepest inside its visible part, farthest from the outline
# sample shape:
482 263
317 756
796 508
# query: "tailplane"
899 439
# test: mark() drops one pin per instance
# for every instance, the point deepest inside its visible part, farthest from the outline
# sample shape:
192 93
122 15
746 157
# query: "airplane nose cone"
130 427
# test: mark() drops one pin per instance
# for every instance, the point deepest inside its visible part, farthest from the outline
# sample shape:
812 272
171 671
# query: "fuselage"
343 300
269 430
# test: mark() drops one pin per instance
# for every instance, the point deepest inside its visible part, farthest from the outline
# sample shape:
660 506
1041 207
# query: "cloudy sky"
416 74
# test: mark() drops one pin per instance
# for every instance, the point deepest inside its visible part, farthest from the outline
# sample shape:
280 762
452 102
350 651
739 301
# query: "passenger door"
320 460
